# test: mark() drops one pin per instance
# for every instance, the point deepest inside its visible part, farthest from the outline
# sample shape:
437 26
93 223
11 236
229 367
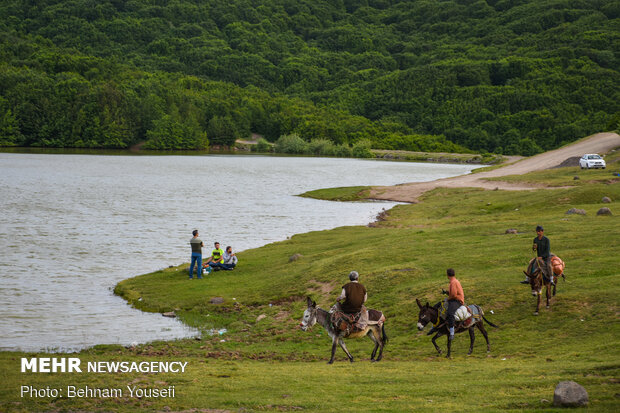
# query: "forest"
499 76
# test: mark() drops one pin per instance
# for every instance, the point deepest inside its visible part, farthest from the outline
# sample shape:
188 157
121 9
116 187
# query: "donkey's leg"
537 304
344 347
434 340
380 342
480 326
548 293
449 346
472 338
371 334
334 345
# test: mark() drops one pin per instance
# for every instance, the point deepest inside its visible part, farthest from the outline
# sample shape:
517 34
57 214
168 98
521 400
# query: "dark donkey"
376 332
430 314
538 280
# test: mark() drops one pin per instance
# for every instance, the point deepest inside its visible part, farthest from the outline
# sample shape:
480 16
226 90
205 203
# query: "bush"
320 146
361 149
263 145
342 151
292 143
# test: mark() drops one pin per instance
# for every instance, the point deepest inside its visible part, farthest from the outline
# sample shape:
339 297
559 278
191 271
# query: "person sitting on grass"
216 257
229 261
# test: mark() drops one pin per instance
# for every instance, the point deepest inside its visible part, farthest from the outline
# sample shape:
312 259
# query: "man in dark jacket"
542 246
354 295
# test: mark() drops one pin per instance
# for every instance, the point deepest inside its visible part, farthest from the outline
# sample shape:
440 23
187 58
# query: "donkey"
537 280
376 332
431 314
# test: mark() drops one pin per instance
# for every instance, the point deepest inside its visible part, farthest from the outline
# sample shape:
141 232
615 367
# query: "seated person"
216 256
228 261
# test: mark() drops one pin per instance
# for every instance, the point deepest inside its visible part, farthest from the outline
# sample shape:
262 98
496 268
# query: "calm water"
74 225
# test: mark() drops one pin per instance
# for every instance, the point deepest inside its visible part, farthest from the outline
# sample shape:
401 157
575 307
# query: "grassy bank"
268 364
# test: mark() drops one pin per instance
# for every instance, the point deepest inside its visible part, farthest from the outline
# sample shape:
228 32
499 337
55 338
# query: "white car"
591 160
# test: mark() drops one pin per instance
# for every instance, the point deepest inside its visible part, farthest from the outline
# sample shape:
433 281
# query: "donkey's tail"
488 322
384 336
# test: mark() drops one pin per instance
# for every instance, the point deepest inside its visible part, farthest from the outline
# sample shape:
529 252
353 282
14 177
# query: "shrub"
361 149
263 145
292 143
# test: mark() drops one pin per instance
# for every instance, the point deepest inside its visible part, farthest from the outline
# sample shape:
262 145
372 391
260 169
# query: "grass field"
270 365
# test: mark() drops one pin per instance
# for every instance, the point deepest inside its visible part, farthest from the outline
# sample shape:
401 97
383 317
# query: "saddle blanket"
349 323
464 314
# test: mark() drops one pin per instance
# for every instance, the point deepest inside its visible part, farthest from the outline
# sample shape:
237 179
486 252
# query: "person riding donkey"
542 247
349 313
456 298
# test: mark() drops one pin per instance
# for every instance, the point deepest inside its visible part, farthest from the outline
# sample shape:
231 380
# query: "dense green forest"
503 76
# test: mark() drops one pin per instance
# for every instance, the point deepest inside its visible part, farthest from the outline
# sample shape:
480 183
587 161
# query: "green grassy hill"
271 365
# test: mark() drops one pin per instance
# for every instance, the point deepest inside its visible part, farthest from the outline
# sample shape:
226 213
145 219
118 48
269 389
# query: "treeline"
505 76
51 98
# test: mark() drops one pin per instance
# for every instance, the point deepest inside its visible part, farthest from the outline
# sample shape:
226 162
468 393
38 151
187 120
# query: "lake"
75 225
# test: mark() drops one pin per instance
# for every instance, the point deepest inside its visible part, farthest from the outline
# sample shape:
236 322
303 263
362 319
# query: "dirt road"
599 143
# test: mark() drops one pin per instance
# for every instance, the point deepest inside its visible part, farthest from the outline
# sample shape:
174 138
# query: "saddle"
347 323
557 266
465 316
354 323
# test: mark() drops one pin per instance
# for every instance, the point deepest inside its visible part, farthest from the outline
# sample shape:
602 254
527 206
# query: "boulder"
260 317
511 231
575 178
570 394
604 211
170 314
294 257
217 300
606 200
576 211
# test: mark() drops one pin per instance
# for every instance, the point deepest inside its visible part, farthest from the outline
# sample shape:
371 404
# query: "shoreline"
378 154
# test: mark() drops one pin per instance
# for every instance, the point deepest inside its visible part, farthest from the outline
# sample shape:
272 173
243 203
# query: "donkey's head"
536 281
427 313
309 318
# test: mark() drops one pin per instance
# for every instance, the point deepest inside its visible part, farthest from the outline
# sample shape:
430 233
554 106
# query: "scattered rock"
606 200
260 317
570 394
170 314
511 231
217 300
294 257
576 211
575 178
604 211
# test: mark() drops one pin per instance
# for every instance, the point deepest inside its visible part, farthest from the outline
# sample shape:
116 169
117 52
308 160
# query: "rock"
260 317
604 211
294 257
217 300
570 394
511 231
575 178
606 200
170 314
576 211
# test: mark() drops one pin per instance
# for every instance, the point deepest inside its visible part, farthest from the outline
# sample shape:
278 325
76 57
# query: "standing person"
229 260
197 245
456 298
217 256
542 246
